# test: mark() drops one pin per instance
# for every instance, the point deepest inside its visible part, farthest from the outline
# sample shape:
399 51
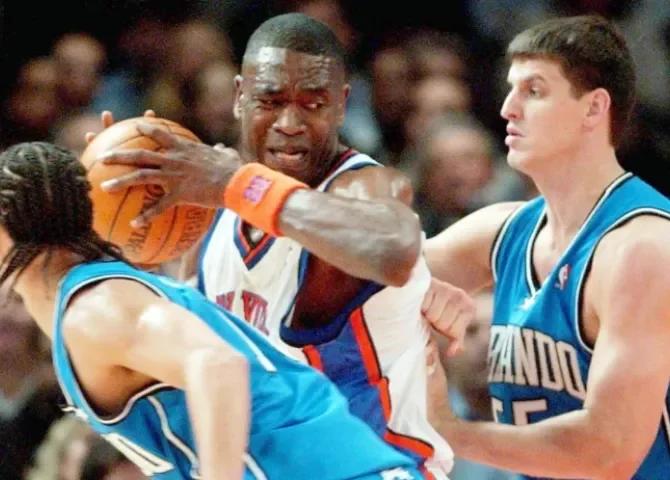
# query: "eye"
267 102
534 90
315 105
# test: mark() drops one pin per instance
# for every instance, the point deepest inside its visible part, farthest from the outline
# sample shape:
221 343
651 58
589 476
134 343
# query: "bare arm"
149 335
372 235
610 436
461 254
362 226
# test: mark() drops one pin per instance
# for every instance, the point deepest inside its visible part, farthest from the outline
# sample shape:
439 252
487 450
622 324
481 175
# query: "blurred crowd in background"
428 81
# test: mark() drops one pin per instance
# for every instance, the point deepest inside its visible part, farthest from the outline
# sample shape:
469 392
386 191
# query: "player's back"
538 358
300 424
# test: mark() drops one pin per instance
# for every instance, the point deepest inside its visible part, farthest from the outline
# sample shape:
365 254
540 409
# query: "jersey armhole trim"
144 392
357 166
200 265
579 301
498 239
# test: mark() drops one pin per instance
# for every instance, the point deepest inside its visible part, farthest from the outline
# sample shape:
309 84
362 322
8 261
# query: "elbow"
402 253
618 459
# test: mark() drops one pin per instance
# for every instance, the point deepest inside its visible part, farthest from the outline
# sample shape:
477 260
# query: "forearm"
218 397
374 240
566 446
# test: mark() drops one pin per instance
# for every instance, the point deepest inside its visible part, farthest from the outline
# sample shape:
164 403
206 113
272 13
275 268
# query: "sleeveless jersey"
292 404
374 350
538 358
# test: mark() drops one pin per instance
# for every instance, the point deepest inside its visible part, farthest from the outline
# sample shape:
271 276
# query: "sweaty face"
544 117
291 106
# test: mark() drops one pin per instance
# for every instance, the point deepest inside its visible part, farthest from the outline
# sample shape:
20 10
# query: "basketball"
168 235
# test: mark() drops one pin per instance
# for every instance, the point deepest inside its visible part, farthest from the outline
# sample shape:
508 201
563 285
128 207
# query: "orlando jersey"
538 358
300 428
374 350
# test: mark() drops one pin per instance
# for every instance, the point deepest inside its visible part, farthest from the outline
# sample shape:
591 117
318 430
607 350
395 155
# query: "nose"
289 121
510 108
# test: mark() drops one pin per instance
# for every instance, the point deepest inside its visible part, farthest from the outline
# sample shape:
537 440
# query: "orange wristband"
257 194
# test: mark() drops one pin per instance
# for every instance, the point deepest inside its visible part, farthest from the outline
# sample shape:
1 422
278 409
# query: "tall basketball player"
579 362
315 243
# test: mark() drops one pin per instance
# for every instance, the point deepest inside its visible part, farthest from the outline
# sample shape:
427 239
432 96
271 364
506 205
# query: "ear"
346 90
598 107
237 107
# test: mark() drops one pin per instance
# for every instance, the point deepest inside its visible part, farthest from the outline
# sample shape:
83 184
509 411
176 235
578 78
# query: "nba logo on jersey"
256 189
563 274
397 474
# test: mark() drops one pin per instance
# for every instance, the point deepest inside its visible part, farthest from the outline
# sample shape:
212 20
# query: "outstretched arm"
136 329
363 226
461 254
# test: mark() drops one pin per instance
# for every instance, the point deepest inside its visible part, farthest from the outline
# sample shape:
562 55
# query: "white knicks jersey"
374 350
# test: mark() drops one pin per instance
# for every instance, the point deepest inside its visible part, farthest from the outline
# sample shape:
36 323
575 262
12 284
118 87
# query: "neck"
571 188
38 286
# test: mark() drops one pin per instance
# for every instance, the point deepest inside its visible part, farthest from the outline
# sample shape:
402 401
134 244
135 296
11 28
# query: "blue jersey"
539 360
301 427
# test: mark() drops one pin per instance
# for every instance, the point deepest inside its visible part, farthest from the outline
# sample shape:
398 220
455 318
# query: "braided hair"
44 205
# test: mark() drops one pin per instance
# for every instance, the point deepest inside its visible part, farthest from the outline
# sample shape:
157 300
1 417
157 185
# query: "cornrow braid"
44 205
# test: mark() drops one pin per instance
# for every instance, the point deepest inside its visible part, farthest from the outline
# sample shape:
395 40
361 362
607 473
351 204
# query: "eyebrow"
529 78
267 89
274 90
316 90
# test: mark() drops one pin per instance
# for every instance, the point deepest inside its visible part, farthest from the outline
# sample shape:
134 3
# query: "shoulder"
644 237
102 318
373 181
634 261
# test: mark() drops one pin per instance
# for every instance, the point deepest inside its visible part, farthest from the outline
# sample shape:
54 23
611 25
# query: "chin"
523 162
297 170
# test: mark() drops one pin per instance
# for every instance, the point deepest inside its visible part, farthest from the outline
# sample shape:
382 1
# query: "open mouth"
289 155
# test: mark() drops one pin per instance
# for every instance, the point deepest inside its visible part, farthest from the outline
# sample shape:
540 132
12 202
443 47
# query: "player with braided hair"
180 386
44 204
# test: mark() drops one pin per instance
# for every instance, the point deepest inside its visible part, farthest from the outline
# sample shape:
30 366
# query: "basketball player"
156 368
579 363
314 244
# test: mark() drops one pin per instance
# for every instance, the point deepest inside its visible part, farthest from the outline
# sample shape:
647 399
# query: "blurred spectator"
61 456
72 132
192 45
104 462
437 54
332 14
32 106
28 390
80 61
432 98
456 162
209 100
135 60
375 125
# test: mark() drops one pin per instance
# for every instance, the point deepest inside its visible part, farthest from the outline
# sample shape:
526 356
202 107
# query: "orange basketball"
170 234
